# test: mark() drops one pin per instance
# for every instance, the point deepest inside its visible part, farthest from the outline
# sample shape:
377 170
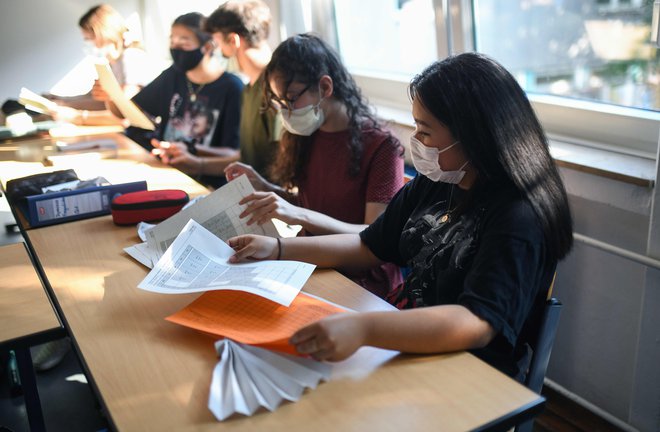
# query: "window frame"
621 129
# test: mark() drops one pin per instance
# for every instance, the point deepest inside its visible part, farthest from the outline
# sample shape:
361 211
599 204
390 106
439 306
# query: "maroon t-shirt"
328 188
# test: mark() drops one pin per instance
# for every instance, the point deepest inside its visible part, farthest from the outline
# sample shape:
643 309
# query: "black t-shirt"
209 117
489 256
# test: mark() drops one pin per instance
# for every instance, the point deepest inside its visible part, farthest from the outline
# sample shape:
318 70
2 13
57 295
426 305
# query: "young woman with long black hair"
482 228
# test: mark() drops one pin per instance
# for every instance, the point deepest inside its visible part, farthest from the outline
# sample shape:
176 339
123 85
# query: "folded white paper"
248 377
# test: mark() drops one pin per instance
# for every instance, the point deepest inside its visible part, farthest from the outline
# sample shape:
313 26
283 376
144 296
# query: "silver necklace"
192 94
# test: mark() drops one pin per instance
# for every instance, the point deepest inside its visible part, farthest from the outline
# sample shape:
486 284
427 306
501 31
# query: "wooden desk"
154 375
27 318
27 315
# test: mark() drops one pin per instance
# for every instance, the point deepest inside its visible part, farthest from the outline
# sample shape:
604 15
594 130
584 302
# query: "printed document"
217 212
197 260
130 111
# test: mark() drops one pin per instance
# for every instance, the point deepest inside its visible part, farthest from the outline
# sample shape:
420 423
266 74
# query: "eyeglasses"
283 103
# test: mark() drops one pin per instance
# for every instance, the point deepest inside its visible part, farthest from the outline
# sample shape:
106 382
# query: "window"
386 37
594 50
587 66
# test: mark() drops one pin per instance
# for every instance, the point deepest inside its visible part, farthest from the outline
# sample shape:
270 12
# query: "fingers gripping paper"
218 212
197 260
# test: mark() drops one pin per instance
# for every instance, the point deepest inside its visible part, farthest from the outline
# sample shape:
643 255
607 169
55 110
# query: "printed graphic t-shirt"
491 258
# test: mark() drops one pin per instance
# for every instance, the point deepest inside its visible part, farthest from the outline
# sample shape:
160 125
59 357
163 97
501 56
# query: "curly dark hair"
305 58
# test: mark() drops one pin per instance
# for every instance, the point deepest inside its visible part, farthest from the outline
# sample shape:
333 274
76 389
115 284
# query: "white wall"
40 41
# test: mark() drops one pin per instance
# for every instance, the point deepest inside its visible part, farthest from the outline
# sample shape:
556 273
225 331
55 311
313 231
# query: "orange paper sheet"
252 319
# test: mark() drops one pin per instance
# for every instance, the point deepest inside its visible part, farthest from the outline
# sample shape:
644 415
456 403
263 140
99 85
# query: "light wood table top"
25 308
151 374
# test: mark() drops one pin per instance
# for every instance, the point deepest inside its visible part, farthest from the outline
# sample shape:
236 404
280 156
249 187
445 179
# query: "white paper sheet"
142 229
35 102
197 261
247 378
217 212
142 254
130 111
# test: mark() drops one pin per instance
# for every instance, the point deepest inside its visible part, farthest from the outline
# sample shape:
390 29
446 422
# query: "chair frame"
542 348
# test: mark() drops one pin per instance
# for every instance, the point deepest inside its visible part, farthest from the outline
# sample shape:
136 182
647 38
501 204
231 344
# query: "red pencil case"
147 206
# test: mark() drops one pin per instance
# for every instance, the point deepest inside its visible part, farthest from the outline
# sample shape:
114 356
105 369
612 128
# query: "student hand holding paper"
263 206
254 247
98 93
333 338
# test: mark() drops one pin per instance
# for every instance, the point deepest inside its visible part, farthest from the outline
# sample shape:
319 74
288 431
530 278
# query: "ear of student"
326 86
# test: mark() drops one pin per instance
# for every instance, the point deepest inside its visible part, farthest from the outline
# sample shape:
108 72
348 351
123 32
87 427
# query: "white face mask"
90 49
303 121
426 163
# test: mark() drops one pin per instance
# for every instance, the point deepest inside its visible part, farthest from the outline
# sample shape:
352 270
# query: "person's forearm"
222 152
319 224
215 165
336 251
432 329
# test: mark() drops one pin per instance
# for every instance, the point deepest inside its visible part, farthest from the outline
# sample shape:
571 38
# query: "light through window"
587 49
386 37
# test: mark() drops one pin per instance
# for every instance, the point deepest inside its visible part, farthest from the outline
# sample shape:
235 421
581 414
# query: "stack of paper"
217 212
247 378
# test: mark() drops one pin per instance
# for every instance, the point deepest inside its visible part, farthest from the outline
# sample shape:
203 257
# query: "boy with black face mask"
197 82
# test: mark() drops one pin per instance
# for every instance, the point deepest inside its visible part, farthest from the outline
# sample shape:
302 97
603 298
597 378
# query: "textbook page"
217 212
197 261
130 111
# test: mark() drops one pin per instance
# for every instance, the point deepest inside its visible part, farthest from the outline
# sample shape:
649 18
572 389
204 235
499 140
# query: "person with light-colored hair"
107 38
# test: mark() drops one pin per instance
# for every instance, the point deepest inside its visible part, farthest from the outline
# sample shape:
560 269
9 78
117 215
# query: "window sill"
638 169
